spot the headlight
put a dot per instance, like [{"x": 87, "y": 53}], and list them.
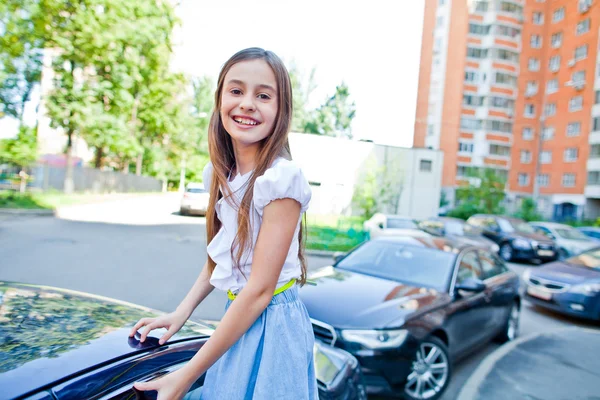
[
  {"x": 588, "y": 289},
  {"x": 527, "y": 275},
  {"x": 376, "y": 339},
  {"x": 495, "y": 248},
  {"x": 521, "y": 244}
]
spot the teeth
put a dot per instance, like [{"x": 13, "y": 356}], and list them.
[{"x": 245, "y": 121}]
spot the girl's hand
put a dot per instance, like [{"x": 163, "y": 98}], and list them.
[
  {"x": 173, "y": 386},
  {"x": 173, "y": 322}
]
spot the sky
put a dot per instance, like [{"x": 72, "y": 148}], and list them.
[{"x": 374, "y": 47}]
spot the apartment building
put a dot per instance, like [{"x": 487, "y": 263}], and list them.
[{"x": 513, "y": 85}]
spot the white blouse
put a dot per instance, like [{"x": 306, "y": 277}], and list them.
[{"x": 284, "y": 179}]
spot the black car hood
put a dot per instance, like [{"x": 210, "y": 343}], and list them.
[
  {"x": 349, "y": 300},
  {"x": 48, "y": 333},
  {"x": 563, "y": 272},
  {"x": 531, "y": 236}
]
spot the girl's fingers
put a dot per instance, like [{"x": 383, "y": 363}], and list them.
[
  {"x": 139, "y": 324},
  {"x": 145, "y": 386},
  {"x": 166, "y": 336},
  {"x": 149, "y": 327}
]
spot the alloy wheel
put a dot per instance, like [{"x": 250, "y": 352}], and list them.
[
  {"x": 429, "y": 372},
  {"x": 506, "y": 252}
]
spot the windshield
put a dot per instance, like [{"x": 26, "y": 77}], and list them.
[
  {"x": 454, "y": 228},
  {"x": 512, "y": 225},
  {"x": 571, "y": 234},
  {"x": 588, "y": 259},
  {"x": 413, "y": 264},
  {"x": 400, "y": 223}
]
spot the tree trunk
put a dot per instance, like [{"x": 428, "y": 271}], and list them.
[
  {"x": 138, "y": 164},
  {"x": 99, "y": 161},
  {"x": 69, "y": 186}
]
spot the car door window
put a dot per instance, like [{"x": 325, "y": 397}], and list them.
[
  {"x": 490, "y": 265},
  {"x": 468, "y": 267}
]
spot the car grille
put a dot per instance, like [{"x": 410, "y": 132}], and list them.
[
  {"x": 551, "y": 286},
  {"x": 324, "y": 332},
  {"x": 545, "y": 246}
]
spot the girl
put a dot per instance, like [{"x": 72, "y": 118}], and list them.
[{"x": 263, "y": 347}]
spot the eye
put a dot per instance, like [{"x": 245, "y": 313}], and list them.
[
  {"x": 235, "y": 91},
  {"x": 264, "y": 96}
]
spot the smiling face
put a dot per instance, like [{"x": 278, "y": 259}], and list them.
[{"x": 249, "y": 102}]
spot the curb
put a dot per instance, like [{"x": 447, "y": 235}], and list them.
[
  {"x": 26, "y": 212},
  {"x": 471, "y": 386}
]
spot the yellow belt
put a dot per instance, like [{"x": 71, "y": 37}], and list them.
[{"x": 285, "y": 287}]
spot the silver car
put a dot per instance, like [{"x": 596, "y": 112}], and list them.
[
  {"x": 194, "y": 200},
  {"x": 569, "y": 240}
]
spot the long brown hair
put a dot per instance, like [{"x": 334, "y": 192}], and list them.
[{"x": 222, "y": 157}]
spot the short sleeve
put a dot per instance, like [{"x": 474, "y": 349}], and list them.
[
  {"x": 282, "y": 181},
  {"x": 207, "y": 175}
]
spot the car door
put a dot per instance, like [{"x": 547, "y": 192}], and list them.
[
  {"x": 501, "y": 289},
  {"x": 469, "y": 312}
]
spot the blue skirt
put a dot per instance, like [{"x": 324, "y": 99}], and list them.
[{"x": 273, "y": 360}]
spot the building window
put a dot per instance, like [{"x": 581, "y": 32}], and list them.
[
  {"x": 532, "y": 88},
  {"x": 552, "y": 86},
  {"x": 582, "y": 27},
  {"x": 477, "y": 29},
  {"x": 529, "y": 111},
  {"x": 523, "y": 179},
  {"x": 439, "y": 22},
  {"x": 470, "y": 76},
  {"x": 568, "y": 180},
  {"x": 506, "y": 55},
  {"x": 501, "y": 102},
  {"x": 597, "y": 99},
  {"x": 481, "y": 6},
  {"x": 442, "y": 2},
  {"x": 554, "y": 63},
  {"x": 573, "y": 129},
  {"x": 503, "y": 30},
  {"x": 576, "y": 103},
  {"x": 425, "y": 165},
  {"x": 543, "y": 180},
  {"x": 596, "y": 124},
  {"x": 465, "y": 147},
  {"x": 593, "y": 178},
  {"x": 533, "y": 64},
  {"x": 535, "y": 41},
  {"x": 581, "y": 52},
  {"x": 505, "y": 79},
  {"x": 470, "y": 123},
  {"x": 570, "y": 154},
  {"x": 499, "y": 150},
  {"x": 578, "y": 77},
  {"x": 557, "y": 40},
  {"x": 461, "y": 170},
  {"x": 472, "y": 100},
  {"x": 525, "y": 156},
  {"x": 527, "y": 133},
  {"x": 538, "y": 18},
  {"x": 546, "y": 157},
  {"x": 430, "y": 130},
  {"x": 500, "y": 126},
  {"x": 550, "y": 109},
  {"x": 548, "y": 133},
  {"x": 510, "y": 7},
  {"x": 595, "y": 151},
  {"x": 558, "y": 15},
  {"x": 474, "y": 52}
]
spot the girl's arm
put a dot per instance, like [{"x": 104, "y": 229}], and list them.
[
  {"x": 174, "y": 321},
  {"x": 280, "y": 219}
]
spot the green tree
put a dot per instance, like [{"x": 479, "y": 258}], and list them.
[
  {"x": 528, "y": 210},
  {"x": 301, "y": 91},
  {"x": 22, "y": 150},
  {"x": 378, "y": 189},
  {"x": 334, "y": 117},
  {"x": 483, "y": 194}
]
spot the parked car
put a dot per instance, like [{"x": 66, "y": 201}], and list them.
[
  {"x": 590, "y": 231},
  {"x": 407, "y": 307},
  {"x": 67, "y": 345},
  {"x": 392, "y": 225},
  {"x": 457, "y": 229},
  {"x": 194, "y": 200},
  {"x": 517, "y": 239},
  {"x": 570, "y": 286},
  {"x": 569, "y": 240}
]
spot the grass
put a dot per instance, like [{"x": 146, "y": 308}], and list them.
[
  {"x": 53, "y": 200},
  {"x": 334, "y": 232}
]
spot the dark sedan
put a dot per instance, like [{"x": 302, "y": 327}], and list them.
[
  {"x": 61, "y": 344},
  {"x": 570, "y": 286},
  {"x": 459, "y": 230},
  {"x": 406, "y": 307},
  {"x": 517, "y": 239}
]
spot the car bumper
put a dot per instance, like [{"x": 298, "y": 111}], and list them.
[
  {"x": 530, "y": 254},
  {"x": 573, "y": 304},
  {"x": 189, "y": 209}
]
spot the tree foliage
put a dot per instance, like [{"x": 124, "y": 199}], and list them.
[
  {"x": 22, "y": 150},
  {"x": 483, "y": 193},
  {"x": 528, "y": 210}
]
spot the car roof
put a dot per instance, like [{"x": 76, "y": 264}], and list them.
[
  {"x": 445, "y": 244},
  {"x": 59, "y": 333},
  {"x": 589, "y": 228},
  {"x": 550, "y": 224}
]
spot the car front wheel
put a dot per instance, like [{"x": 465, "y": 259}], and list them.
[
  {"x": 506, "y": 252},
  {"x": 430, "y": 371},
  {"x": 511, "y": 326}
]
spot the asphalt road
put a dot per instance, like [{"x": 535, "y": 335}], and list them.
[{"x": 140, "y": 250}]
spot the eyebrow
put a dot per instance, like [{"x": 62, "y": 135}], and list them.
[{"x": 262, "y": 85}]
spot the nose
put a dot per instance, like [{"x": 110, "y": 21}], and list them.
[{"x": 247, "y": 102}]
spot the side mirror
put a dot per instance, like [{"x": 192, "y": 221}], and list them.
[
  {"x": 337, "y": 256},
  {"x": 380, "y": 225},
  {"x": 471, "y": 285}
]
